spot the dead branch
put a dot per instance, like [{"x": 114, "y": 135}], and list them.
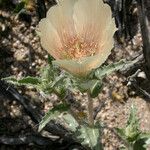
[
  {"x": 137, "y": 63},
  {"x": 144, "y": 12},
  {"x": 126, "y": 19},
  {"x": 38, "y": 140},
  {"x": 133, "y": 82},
  {"x": 41, "y": 9},
  {"x": 41, "y": 141}
]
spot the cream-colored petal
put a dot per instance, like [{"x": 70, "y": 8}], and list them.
[
  {"x": 50, "y": 40},
  {"x": 91, "y": 21},
  {"x": 61, "y": 18},
  {"x": 84, "y": 67},
  {"x": 91, "y": 18},
  {"x": 107, "y": 41}
]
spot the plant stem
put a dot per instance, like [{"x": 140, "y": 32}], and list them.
[{"x": 90, "y": 111}]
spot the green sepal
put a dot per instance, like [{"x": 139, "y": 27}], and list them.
[
  {"x": 93, "y": 87},
  {"x": 50, "y": 59}
]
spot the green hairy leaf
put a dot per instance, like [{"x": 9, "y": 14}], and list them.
[
  {"x": 70, "y": 121},
  {"x": 48, "y": 73},
  {"x": 50, "y": 81},
  {"x": 132, "y": 128},
  {"x": 142, "y": 142},
  {"x": 131, "y": 134},
  {"x": 58, "y": 80},
  {"x": 54, "y": 82},
  {"x": 139, "y": 145},
  {"x": 148, "y": 141},
  {"x": 106, "y": 70},
  {"x": 89, "y": 136},
  {"x": 121, "y": 133},
  {"x": 31, "y": 81},
  {"x": 50, "y": 59},
  {"x": 133, "y": 118},
  {"x": 10, "y": 79},
  {"x": 52, "y": 115}
]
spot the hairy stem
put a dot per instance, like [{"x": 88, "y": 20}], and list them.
[{"x": 90, "y": 110}]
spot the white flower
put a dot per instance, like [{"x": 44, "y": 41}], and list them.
[{"x": 78, "y": 34}]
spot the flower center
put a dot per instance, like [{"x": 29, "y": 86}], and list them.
[{"x": 76, "y": 48}]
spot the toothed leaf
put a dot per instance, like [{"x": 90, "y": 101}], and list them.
[
  {"x": 142, "y": 142},
  {"x": 52, "y": 115},
  {"x": 31, "y": 81},
  {"x": 72, "y": 124},
  {"x": 132, "y": 128},
  {"x": 106, "y": 70},
  {"x": 89, "y": 136}
]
